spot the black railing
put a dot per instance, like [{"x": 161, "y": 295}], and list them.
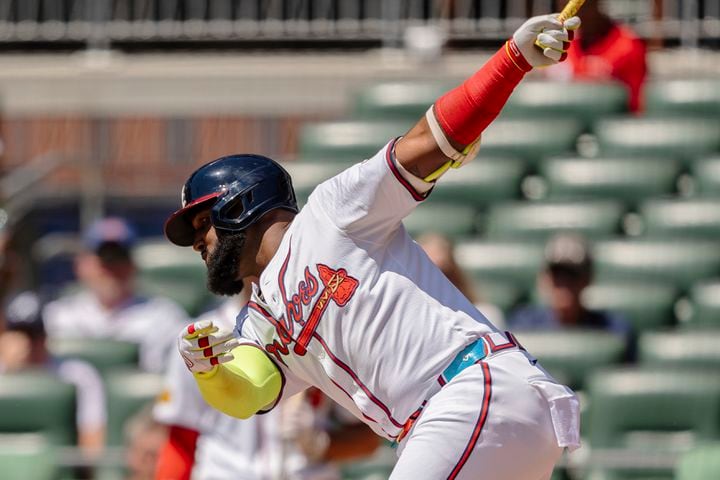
[{"x": 111, "y": 22}]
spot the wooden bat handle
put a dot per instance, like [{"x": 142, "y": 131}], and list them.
[{"x": 570, "y": 9}]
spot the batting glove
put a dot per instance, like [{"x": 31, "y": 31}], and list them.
[
  {"x": 204, "y": 345},
  {"x": 544, "y": 40}
]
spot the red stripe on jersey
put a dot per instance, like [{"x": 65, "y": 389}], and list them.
[
  {"x": 398, "y": 175},
  {"x": 487, "y": 395},
  {"x": 355, "y": 378}
]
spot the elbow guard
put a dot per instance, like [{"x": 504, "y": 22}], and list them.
[{"x": 243, "y": 386}]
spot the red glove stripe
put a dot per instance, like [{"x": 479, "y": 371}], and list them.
[
  {"x": 203, "y": 342},
  {"x": 214, "y": 361},
  {"x": 463, "y": 113},
  {"x": 191, "y": 329},
  {"x": 208, "y": 352}
]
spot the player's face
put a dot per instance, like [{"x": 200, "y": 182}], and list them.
[{"x": 222, "y": 254}]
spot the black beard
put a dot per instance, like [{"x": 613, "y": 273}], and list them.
[{"x": 224, "y": 264}]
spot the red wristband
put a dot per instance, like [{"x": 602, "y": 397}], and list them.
[{"x": 463, "y": 113}]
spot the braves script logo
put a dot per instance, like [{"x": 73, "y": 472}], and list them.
[{"x": 337, "y": 287}]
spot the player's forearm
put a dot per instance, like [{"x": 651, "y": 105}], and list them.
[
  {"x": 462, "y": 114},
  {"x": 243, "y": 386}
]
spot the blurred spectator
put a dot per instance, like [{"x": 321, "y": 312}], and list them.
[
  {"x": 108, "y": 306},
  {"x": 22, "y": 346},
  {"x": 441, "y": 252},
  {"x": 144, "y": 437},
  {"x": 293, "y": 441},
  {"x": 605, "y": 50},
  {"x": 7, "y": 263},
  {"x": 567, "y": 272}
]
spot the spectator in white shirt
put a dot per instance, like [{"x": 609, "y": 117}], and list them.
[{"x": 108, "y": 306}]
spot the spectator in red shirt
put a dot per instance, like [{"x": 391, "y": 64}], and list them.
[{"x": 606, "y": 50}]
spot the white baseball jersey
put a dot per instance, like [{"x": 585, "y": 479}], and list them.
[
  {"x": 351, "y": 304},
  {"x": 228, "y": 448},
  {"x": 152, "y": 323}
]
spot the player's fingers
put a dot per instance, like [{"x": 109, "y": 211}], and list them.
[
  {"x": 200, "y": 328},
  {"x": 546, "y": 41},
  {"x": 212, "y": 340},
  {"x": 553, "y": 54},
  {"x": 220, "y": 359},
  {"x": 572, "y": 23},
  {"x": 561, "y": 35},
  {"x": 216, "y": 350},
  {"x": 548, "y": 22}
]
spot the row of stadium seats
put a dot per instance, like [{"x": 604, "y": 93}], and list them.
[
  {"x": 39, "y": 402},
  {"x": 489, "y": 180},
  {"x": 585, "y": 101},
  {"x": 660, "y": 218},
  {"x": 682, "y": 139}
]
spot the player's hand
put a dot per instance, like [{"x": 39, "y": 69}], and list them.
[
  {"x": 204, "y": 345},
  {"x": 544, "y": 40}
]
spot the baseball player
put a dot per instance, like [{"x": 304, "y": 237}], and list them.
[
  {"x": 348, "y": 303},
  {"x": 289, "y": 443}
]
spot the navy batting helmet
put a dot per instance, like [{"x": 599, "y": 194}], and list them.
[{"x": 239, "y": 188}]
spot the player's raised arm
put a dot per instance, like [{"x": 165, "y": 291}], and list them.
[{"x": 449, "y": 134}]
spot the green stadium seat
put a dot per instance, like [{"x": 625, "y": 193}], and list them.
[
  {"x": 453, "y": 220},
  {"x": 348, "y": 141},
  {"x": 103, "y": 354},
  {"x": 127, "y": 392},
  {"x": 516, "y": 263},
  {"x": 695, "y": 218},
  {"x": 398, "y": 100},
  {"x": 705, "y": 301},
  {"x": 692, "y": 349},
  {"x": 675, "y": 262},
  {"x": 572, "y": 355},
  {"x": 684, "y": 97},
  {"x": 503, "y": 295},
  {"x": 539, "y": 220},
  {"x": 529, "y": 139},
  {"x": 706, "y": 176},
  {"x": 701, "y": 463},
  {"x": 176, "y": 273},
  {"x": 308, "y": 175},
  {"x": 629, "y": 401},
  {"x": 644, "y": 305},
  {"x": 679, "y": 138},
  {"x": 27, "y": 457},
  {"x": 37, "y": 401},
  {"x": 626, "y": 179},
  {"x": 583, "y": 100},
  {"x": 481, "y": 182}
]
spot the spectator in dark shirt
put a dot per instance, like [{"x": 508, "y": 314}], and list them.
[{"x": 567, "y": 272}]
